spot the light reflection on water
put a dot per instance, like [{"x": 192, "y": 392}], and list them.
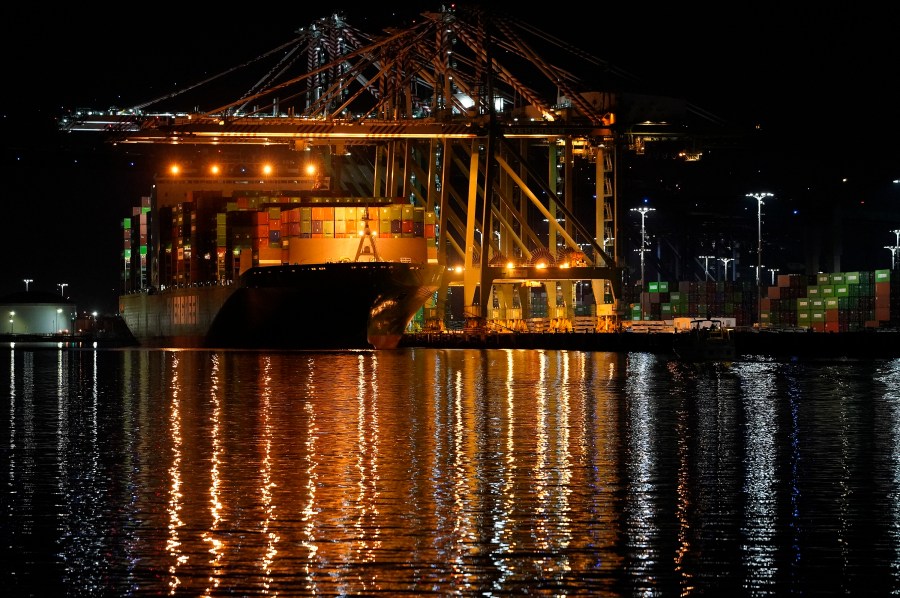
[{"x": 452, "y": 472}]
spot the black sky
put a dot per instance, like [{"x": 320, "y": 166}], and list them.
[{"x": 822, "y": 82}]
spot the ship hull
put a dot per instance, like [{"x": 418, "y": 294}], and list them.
[{"x": 331, "y": 306}]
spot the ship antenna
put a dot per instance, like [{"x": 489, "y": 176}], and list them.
[{"x": 367, "y": 240}]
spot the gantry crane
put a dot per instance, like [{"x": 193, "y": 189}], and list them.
[{"x": 478, "y": 117}]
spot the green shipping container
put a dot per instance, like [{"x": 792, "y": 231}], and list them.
[{"x": 882, "y": 275}]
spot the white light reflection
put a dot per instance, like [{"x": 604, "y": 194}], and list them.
[
  {"x": 540, "y": 482},
  {"x": 758, "y": 384},
  {"x": 266, "y": 483},
  {"x": 64, "y": 452},
  {"x": 504, "y": 521},
  {"x": 641, "y": 527},
  {"x": 12, "y": 422},
  {"x": 365, "y": 522},
  {"x": 683, "y": 504},
  {"x": 173, "y": 543},
  {"x": 461, "y": 513},
  {"x": 309, "y": 511},
  {"x": 212, "y": 535},
  {"x": 561, "y": 506},
  {"x": 889, "y": 377}
]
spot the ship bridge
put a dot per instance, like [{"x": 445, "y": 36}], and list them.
[{"x": 507, "y": 134}]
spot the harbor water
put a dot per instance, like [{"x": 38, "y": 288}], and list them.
[{"x": 447, "y": 472}]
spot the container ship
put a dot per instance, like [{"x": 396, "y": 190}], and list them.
[{"x": 219, "y": 262}]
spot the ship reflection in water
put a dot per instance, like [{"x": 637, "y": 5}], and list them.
[{"x": 447, "y": 472}]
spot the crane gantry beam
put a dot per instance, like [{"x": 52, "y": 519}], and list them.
[{"x": 406, "y": 101}]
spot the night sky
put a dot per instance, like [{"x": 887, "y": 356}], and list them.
[{"x": 821, "y": 86}]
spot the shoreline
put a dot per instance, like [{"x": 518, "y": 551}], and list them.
[{"x": 877, "y": 343}]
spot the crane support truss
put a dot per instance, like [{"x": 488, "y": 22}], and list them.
[{"x": 429, "y": 113}]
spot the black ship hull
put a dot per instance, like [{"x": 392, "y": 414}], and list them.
[{"x": 330, "y": 306}]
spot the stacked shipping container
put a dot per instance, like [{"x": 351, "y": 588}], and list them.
[
  {"x": 837, "y": 302},
  {"x": 213, "y": 239}
]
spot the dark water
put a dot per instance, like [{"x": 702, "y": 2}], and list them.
[{"x": 447, "y": 472}]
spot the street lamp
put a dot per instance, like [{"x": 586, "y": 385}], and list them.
[
  {"x": 62, "y": 288},
  {"x": 706, "y": 259},
  {"x": 11, "y": 326},
  {"x": 758, "y": 268},
  {"x": 27, "y": 280},
  {"x": 773, "y": 271},
  {"x": 896, "y": 231},
  {"x": 893, "y": 255},
  {"x": 725, "y": 261},
  {"x": 759, "y": 197},
  {"x": 643, "y": 212},
  {"x": 56, "y": 320}
]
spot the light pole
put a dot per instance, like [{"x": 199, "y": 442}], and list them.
[
  {"x": 725, "y": 261},
  {"x": 706, "y": 259},
  {"x": 893, "y": 255},
  {"x": 62, "y": 288},
  {"x": 759, "y": 197},
  {"x": 27, "y": 280},
  {"x": 643, "y": 212},
  {"x": 773, "y": 271},
  {"x": 758, "y": 269},
  {"x": 896, "y": 231},
  {"x": 11, "y": 323},
  {"x": 56, "y": 320}
]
